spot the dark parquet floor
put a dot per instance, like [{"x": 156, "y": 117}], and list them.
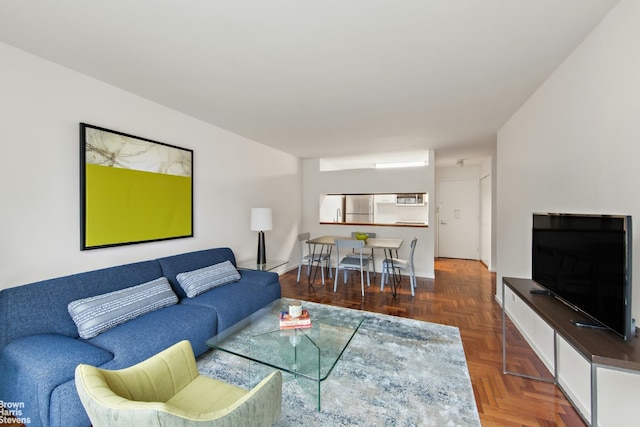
[{"x": 462, "y": 295}]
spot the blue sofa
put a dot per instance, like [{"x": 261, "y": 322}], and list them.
[{"x": 40, "y": 346}]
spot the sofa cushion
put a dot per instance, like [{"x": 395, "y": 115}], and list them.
[
  {"x": 201, "y": 280},
  {"x": 100, "y": 313},
  {"x": 236, "y": 301},
  {"x": 261, "y": 278},
  {"x": 144, "y": 336}
]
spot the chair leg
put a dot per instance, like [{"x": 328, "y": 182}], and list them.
[
  {"x": 335, "y": 281},
  {"x": 382, "y": 274},
  {"x": 373, "y": 262},
  {"x": 299, "y": 268},
  {"x": 321, "y": 267},
  {"x": 414, "y": 283}
]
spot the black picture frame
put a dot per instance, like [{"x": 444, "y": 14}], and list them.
[{"x": 132, "y": 189}]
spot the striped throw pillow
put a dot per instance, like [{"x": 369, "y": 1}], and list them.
[
  {"x": 198, "y": 281},
  {"x": 100, "y": 313}
]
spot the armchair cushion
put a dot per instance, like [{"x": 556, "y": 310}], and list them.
[{"x": 202, "y": 396}]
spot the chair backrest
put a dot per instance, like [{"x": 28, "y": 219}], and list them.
[
  {"x": 302, "y": 240},
  {"x": 146, "y": 380},
  {"x": 349, "y": 244},
  {"x": 413, "y": 249},
  {"x": 304, "y": 237}
]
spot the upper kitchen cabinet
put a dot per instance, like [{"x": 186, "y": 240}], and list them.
[{"x": 389, "y": 209}]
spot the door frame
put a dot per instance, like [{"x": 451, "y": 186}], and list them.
[{"x": 437, "y": 209}]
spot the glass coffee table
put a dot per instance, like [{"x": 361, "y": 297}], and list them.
[{"x": 309, "y": 354}]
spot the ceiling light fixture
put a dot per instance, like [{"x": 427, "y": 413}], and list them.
[{"x": 400, "y": 165}]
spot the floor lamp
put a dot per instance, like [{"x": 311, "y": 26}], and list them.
[{"x": 261, "y": 221}]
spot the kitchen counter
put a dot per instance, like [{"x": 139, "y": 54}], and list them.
[{"x": 396, "y": 224}]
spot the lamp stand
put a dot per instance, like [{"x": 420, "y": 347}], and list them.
[{"x": 262, "y": 254}]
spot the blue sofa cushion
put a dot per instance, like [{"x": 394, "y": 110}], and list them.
[
  {"x": 203, "y": 279},
  {"x": 144, "y": 336},
  {"x": 33, "y": 366},
  {"x": 176, "y": 264},
  {"x": 237, "y": 300},
  {"x": 261, "y": 278},
  {"x": 99, "y": 313}
]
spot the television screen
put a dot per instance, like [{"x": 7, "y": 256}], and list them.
[{"x": 585, "y": 261}]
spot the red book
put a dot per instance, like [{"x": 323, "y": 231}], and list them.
[
  {"x": 286, "y": 321},
  {"x": 296, "y": 327}
]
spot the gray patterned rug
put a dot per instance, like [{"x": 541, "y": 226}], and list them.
[{"x": 395, "y": 372}]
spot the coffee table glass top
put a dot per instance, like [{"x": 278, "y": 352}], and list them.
[{"x": 309, "y": 353}]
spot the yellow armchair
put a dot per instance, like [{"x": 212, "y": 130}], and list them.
[{"x": 167, "y": 390}]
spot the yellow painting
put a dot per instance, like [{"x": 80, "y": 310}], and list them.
[{"x": 133, "y": 190}]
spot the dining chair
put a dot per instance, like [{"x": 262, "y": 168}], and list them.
[
  {"x": 396, "y": 265},
  {"x": 322, "y": 259},
  {"x": 367, "y": 252},
  {"x": 350, "y": 263}
]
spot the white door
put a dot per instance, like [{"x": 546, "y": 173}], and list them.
[{"x": 458, "y": 216}]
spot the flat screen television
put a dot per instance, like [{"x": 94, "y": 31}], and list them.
[{"x": 585, "y": 261}]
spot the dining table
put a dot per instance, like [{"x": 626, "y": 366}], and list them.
[{"x": 324, "y": 245}]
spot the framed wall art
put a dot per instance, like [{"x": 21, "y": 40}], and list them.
[{"x": 132, "y": 189}]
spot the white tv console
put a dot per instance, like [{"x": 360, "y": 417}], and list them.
[{"x": 613, "y": 363}]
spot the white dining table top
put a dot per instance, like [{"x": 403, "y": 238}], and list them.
[{"x": 372, "y": 242}]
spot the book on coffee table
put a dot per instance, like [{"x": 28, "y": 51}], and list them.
[{"x": 288, "y": 322}]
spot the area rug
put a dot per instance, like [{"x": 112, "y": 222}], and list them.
[{"x": 395, "y": 372}]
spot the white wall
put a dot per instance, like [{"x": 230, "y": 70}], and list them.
[
  {"x": 407, "y": 180},
  {"x": 574, "y": 147},
  {"x": 41, "y": 105}
]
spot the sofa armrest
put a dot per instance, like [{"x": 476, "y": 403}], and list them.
[
  {"x": 50, "y": 358},
  {"x": 33, "y": 366}
]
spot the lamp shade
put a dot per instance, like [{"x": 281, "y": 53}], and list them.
[{"x": 261, "y": 219}]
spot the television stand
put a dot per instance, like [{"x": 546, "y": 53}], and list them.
[{"x": 600, "y": 348}]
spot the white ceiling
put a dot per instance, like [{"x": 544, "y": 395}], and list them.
[{"x": 319, "y": 78}]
